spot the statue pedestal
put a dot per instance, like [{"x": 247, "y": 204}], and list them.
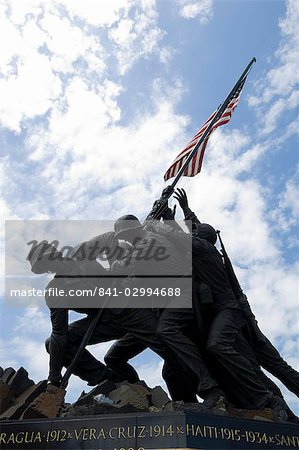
[{"x": 143, "y": 431}]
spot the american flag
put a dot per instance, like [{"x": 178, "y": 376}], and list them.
[{"x": 194, "y": 166}]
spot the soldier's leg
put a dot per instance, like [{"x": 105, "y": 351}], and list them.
[
  {"x": 89, "y": 368},
  {"x": 224, "y": 331},
  {"x": 127, "y": 348},
  {"x": 271, "y": 360},
  {"x": 243, "y": 345},
  {"x": 173, "y": 323},
  {"x": 169, "y": 342},
  {"x": 179, "y": 391},
  {"x": 142, "y": 324},
  {"x": 120, "y": 353}
]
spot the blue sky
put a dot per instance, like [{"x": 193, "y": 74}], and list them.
[{"x": 97, "y": 100}]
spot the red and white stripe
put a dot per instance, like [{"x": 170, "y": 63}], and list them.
[{"x": 194, "y": 166}]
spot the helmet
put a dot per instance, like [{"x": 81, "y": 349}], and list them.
[
  {"x": 207, "y": 232},
  {"x": 126, "y": 223},
  {"x": 40, "y": 255}
]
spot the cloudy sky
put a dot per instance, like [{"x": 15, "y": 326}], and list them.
[{"x": 97, "y": 99}]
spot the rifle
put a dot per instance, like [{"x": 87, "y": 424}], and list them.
[
  {"x": 237, "y": 290},
  {"x": 234, "y": 282}
]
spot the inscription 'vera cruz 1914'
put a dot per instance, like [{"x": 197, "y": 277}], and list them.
[{"x": 148, "y": 431}]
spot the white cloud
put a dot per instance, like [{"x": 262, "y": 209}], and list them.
[
  {"x": 166, "y": 54},
  {"x": 67, "y": 43},
  {"x": 29, "y": 86},
  {"x": 19, "y": 100},
  {"x": 33, "y": 321},
  {"x": 89, "y": 10},
  {"x": 136, "y": 37},
  {"x": 280, "y": 106},
  {"x": 85, "y": 130},
  {"x": 38, "y": 45},
  {"x": 228, "y": 152},
  {"x": 287, "y": 213},
  {"x": 151, "y": 373},
  {"x": 276, "y": 92},
  {"x": 201, "y": 9},
  {"x": 272, "y": 291},
  {"x": 19, "y": 10}
]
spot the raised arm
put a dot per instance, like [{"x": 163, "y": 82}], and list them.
[{"x": 181, "y": 196}]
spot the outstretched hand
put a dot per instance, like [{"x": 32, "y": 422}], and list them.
[{"x": 181, "y": 196}]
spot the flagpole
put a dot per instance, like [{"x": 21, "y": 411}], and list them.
[
  {"x": 205, "y": 134},
  {"x": 216, "y": 117}
]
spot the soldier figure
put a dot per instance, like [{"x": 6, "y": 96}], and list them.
[
  {"x": 225, "y": 317},
  {"x": 141, "y": 323},
  {"x": 219, "y": 332}
]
